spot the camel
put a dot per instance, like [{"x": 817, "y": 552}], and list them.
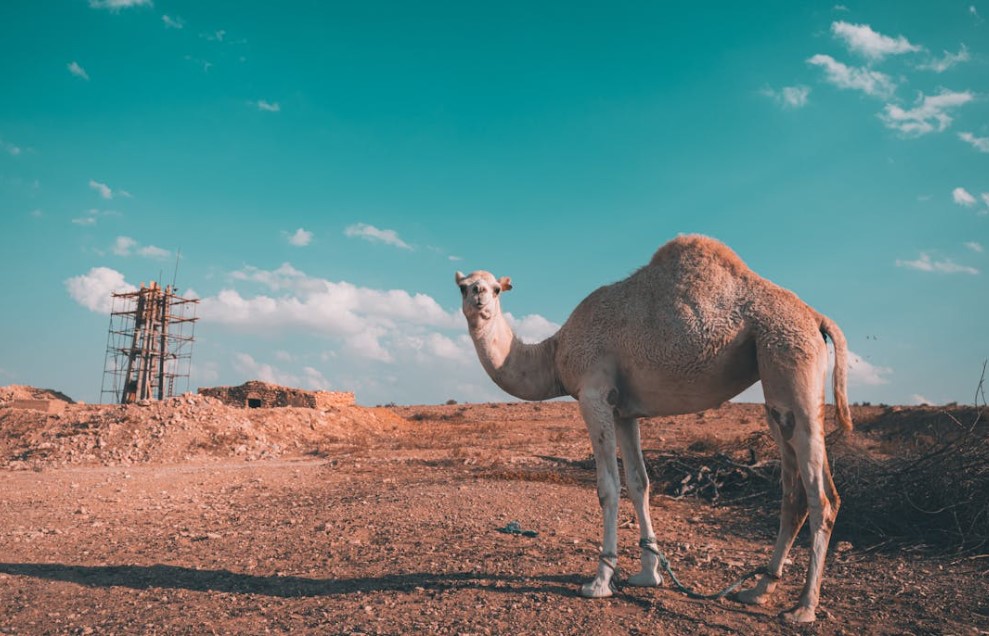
[{"x": 690, "y": 330}]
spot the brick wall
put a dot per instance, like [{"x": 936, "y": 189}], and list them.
[
  {"x": 45, "y": 406},
  {"x": 255, "y": 394}
]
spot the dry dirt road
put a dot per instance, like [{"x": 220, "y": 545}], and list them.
[{"x": 394, "y": 531}]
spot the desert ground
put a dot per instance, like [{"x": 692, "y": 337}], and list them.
[{"x": 189, "y": 516}]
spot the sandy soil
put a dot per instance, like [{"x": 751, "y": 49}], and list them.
[{"x": 192, "y": 517}]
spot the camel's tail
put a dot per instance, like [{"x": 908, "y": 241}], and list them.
[{"x": 840, "y": 376}]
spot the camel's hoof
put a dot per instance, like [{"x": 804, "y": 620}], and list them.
[
  {"x": 646, "y": 578},
  {"x": 596, "y": 589},
  {"x": 800, "y": 615},
  {"x": 750, "y": 597}
]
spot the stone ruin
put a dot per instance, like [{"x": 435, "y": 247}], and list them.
[{"x": 261, "y": 395}]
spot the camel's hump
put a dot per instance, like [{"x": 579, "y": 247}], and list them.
[{"x": 696, "y": 248}]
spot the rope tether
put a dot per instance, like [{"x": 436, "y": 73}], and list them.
[{"x": 650, "y": 544}]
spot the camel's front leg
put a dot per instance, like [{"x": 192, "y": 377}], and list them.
[
  {"x": 599, "y": 418},
  {"x": 637, "y": 482}
]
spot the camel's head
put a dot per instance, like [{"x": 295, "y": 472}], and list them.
[{"x": 481, "y": 292}]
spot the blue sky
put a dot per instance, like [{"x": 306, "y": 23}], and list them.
[{"x": 325, "y": 167}]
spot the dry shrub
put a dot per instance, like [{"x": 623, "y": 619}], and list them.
[
  {"x": 936, "y": 496},
  {"x": 908, "y": 476}
]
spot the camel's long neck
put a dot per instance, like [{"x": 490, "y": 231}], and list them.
[{"x": 527, "y": 371}]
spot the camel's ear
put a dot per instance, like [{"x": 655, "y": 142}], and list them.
[
  {"x": 505, "y": 282},
  {"x": 460, "y": 277}
]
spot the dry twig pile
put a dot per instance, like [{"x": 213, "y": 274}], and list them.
[{"x": 906, "y": 477}]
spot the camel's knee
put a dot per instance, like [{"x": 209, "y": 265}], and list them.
[
  {"x": 835, "y": 504},
  {"x": 607, "y": 495},
  {"x": 637, "y": 483},
  {"x": 823, "y": 515}
]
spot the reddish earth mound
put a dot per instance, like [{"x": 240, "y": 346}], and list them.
[
  {"x": 177, "y": 429},
  {"x": 17, "y": 392}
]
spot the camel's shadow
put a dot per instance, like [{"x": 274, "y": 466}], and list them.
[
  {"x": 177, "y": 577},
  {"x": 142, "y": 577}
]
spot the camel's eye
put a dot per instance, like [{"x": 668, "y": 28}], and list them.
[
  {"x": 463, "y": 290},
  {"x": 496, "y": 290}
]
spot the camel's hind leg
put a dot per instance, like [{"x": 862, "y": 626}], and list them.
[
  {"x": 637, "y": 482},
  {"x": 793, "y": 512},
  {"x": 795, "y": 402},
  {"x": 823, "y": 503}
]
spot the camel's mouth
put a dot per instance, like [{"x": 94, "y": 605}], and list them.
[
  {"x": 479, "y": 308},
  {"x": 482, "y": 310}
]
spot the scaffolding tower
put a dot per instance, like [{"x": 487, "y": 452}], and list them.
[{"x": 149, "y": 344}]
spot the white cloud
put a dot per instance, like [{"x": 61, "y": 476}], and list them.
[
  {"x": 102, "y": 188},
  {"x": 961, "y": 196},
  {"x": 840, "y": 7},
  {"x": 271, "y": 107},
  {"x": 314, "y": 379},
  {"x": 367, "y": 344},
  {"x": 37, "y": 213},
  {"x": 861, "y": 372},
  {"x": 979, "y": 143},
  {"x": 459, "y": 350},
  {"x": 861, "y": 39},
  {"x": 200, "y": 62},
  {"x": 123, "y": 246},
  {"x": 870, "y": 82},
  {"x": 370, "y": 326},
  {"x": 204, "y": 373},
  {"x": 532, "y": 328},
  {"x": 117, "y": 5},
  {"x": 985, "y": 199},
  {"x": 246, "y": 365},
  {"x": 153, "y": 252},
  {"x": 925, "y": 264},
  {"x": 77, "y": 70},
  {"x": 929, "y": 115},
  {"x": 946, "y": 61},
  {"x": 173, "y": 23},
  {"x": 919, "y": 400},
  {"x": 92, "y": 290},
  {"x": 788, "y": 96},
  {"x": 322, "y": 306},
  {"x": 92, "y": 216},
  {"x": 10, "y": 148},
  {"x": 373, "y": 234},
  {"x": 974, "y": 246},
  {"x": 126, "y": 246},
  {"x": 300, "y": 238}
]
